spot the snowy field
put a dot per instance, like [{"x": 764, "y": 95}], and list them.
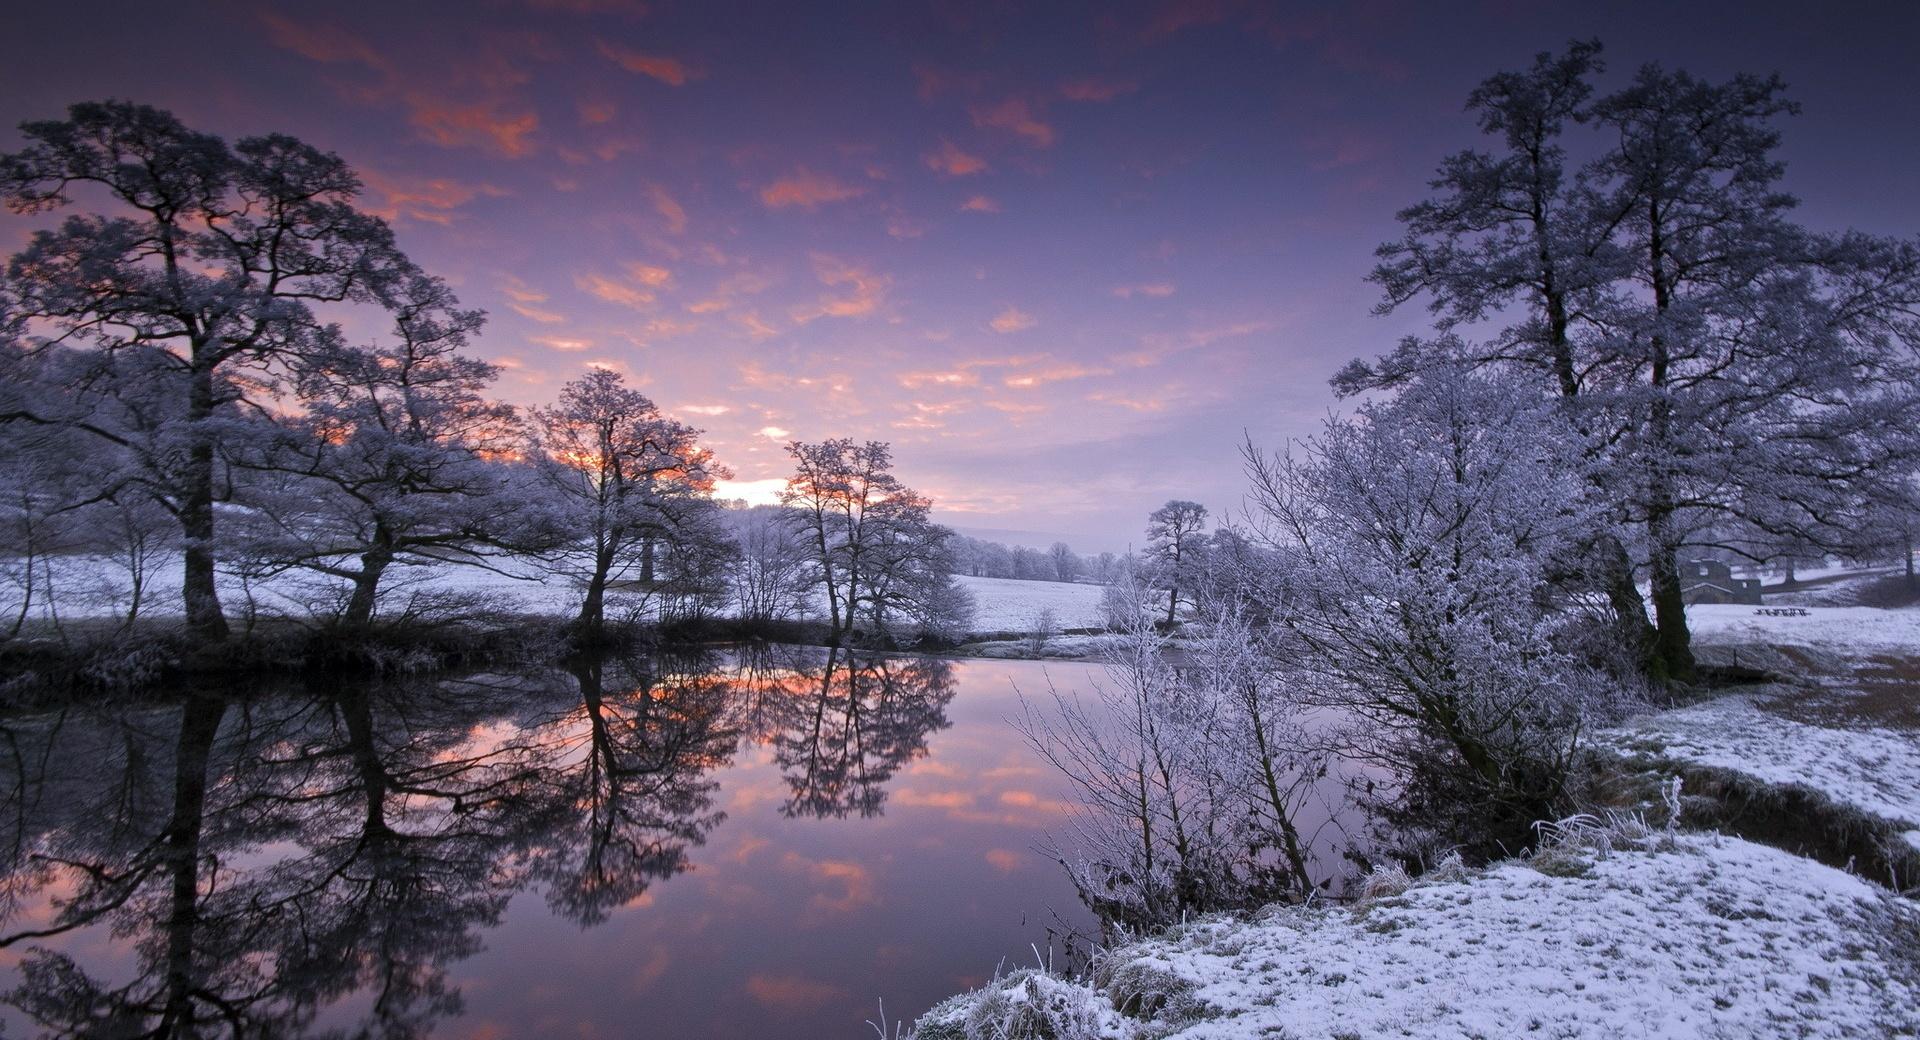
[
  {"x": 1703, "y": 938},
  {"x": 1864, "y": 629},
  {"x": 1009, "y": 605},
  {"x": 89, "y": 587}
]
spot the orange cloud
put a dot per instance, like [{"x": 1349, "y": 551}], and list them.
[
  {"x": 478, "y": 124},
  {"x": 953, "y": 162},
  {"x": 808, "y": 190},
  {"x": 594, "y": 113},
  {"x": 1093, "y": 88},
  {"x": 669, "y": 70},
  {"x": 862, "y": 292},
  {"x": 432, "y": 200},
  {"x": 1013, "y": 319},
  {"x": 1127, "y": 292},
  {"x": 1056, "y": 374},
  {"x": 560, "y": 343},
  {"x": 1006, "y": 861},
  {"x": 636, "y": 290},
  {"x": 536, "y": 314},
  {"x": 1015, "y": 116}
]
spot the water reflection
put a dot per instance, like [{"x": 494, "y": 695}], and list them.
[{"x": 312, "y": 861}]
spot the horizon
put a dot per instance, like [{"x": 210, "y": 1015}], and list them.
[{"x": 1063, "y": 260}]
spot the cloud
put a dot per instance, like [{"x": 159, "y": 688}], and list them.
[
  {"x": 561, "y": 343},
  {"x": 669, "y": 209},
  {"x": 807, "y": 190},
  {"x": 1157, "y": 289},
  {"x": 1013, "y": 319},
  {"x": 951, "y": 161},
  {"x": 861, "y": 292},
  {"x": 775, "y": 433},
  {"x": 536, "y": 314},
  {"x": 636, "y": 289},
  {"x": 478, "y": 124},
  {"x": 1094, "y": 88},
  {"x": 1056, "y": 374},
  {"x": 322, "y": 43},
  {"x": 1157, "y": 347},
  {"x": 705, "y": 409},
  {"x": 979, "y": 204},
  {"x": 431, "y": 200},
  {"x": 594, "y": 113},
  {"x": 669, "y": 70},
  {"x": 1015, "y": 116}
]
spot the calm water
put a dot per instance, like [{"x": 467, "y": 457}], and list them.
[{"x": 731, "y": 846}]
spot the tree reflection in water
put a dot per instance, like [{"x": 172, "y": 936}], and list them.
[
  {"x": 310, "y": 862},
  {"x": 841, "y": 724}
]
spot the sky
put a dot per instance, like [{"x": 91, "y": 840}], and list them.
[{"x": 1064, "y": 257}]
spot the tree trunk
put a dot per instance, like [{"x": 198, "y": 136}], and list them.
[
  {"x": 366, "y": 586},
  {"x": 1672, "y": 657},
  {"x": 205, "y": 620}
]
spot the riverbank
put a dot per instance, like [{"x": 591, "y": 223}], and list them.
[{"x": 1777, "y": 905}]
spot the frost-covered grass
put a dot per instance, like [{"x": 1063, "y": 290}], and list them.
[
  {"x": 1688, "y": 937},
  {"x": 1874, "y": 769}
]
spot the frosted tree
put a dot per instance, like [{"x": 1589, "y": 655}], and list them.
[
  {"x": 1175, "y": 537},
  {"x": 625, "y": 478},
  {"x": 875, "y": 551},
  {"x": 1740, "y": 375},
  {"x": 395, "y": 459},
  {"x": 212, "y": 259},
  {"x": 1411, "y": 550},
  {"x": 770, "y": 578}
]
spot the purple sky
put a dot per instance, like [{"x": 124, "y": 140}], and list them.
[{"x": 1061, "y": 256}]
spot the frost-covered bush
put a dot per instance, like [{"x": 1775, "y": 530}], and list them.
[
  {"x": 1025, "y": 1005},
  {"x": 1408, "y": 583}
]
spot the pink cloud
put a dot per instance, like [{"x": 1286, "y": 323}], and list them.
[
  {"x": 1015, "y": 116},
  {"x": 432, "y": 200},
  {"x": 979, "y": 204},
  {"x": 1156, "y": 289},
  {"x": 1094, "y": 88},
  {"x": 950, "y": 160},
  {"x": 669, "y": 70},
  {"x": 1013, "y": 319},
  {"x": 807, "y": 190},
  {"x": 561, "y": 343}
]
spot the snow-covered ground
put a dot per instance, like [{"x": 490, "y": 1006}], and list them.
[
  {"x": 1875, "y": 769},
  {"x": 1010, "y": 605},
  {"x": 1688, "y": 937},
  {"x": 91, "y": 587},
  {"x": 1865, "y": 629}
]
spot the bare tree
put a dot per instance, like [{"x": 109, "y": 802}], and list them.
[
  {"x": 875, "y": 551},
  {"x": 626, "y": 478}
]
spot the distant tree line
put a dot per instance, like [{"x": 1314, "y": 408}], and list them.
[{"x": 980, "y": 558}]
